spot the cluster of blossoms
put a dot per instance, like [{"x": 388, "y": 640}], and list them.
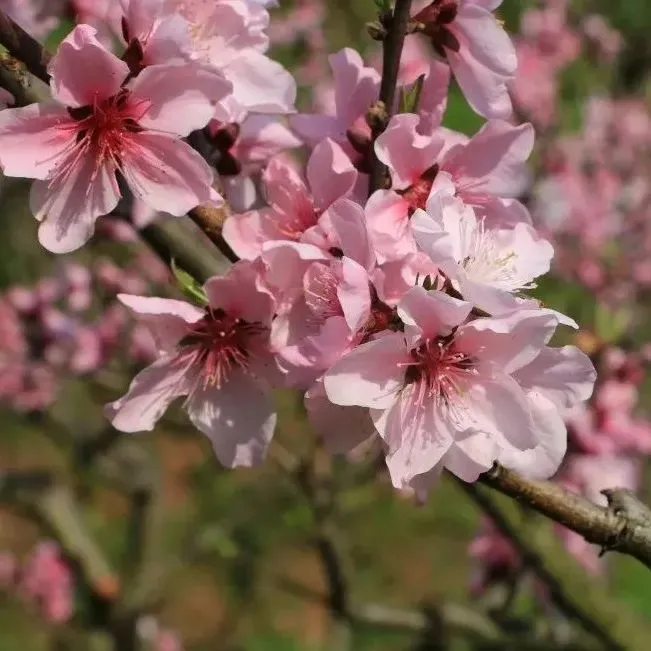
[
  {"x": 592, "y": 196},
  {"x": 69, "y": 324},
  {"x": 548, "y": 42},
  {"x": 610, "y": 154},
  {"x": 43, "y": 581},
  {"x": 187, "y": 66},
  {"x": 400, "y": 316}
]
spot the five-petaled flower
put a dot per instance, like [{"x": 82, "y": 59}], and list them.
[
  {"x": 99, "y": 127},
  {"x": 219, "y": 357}
]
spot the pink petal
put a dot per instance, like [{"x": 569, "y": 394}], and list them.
[
  {"x": 356, "y": 86},
  {"x": 387, "y": 216},
  {"x": 286, "y": 263},
  {"x": 434, "y": 96},
  {"x": 489, "y": 5},
  {"x": 83, "y": 71},
  {"x": 261, "y": 137},
  {"x": 261, "y": 84},
  {"x": 564, "y": 375},
  {"x": 330, "y": 173},
  {"x": 241, "y": 292},
  {"x": 493, "y": 160},
  {"x": 313, "y": 128},
  {"x": 485, "y": 62},
  {"x": 394, "y": 279},
  {"x": 433, "y": 313},
  {"x": 150, "y": 393},
  {"x": 342, "y": 428},
  {"x": 486, "y": 39},
  {"x": 238, "y": 418},
  {"x": 246, "y": 233},
  {"x": 166, "y": 173},
  {"x": 348, "y": 222},
  {"x": 406, "y": 152},
  {"x": 471, "y": 455},
  {"x": 169, "y": 39},
  {"x": 179, "y": 97},
  {"x": 354, "y": 294},
  {"x": 69, "y": 206},
  {"x": 544, "y": 459},
  {"x": 495, "y": 403},
  {"x": 285, "y": 189},
  {"x": 370, "y": 375},
  {"x": 33, "y": 139},
  {"x": 167, "y": 319},
  {"x": 416, "y": 436},
  {"x": 511, "y": 341}
]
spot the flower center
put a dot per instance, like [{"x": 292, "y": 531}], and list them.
[
  {"x": 103, "y": 131},
  {"x": 320, "y": 291},
  {"x": 416, "y": 195},
  {"x": 218, "y": 344},
  {"x": 485, "y": 260},
  {"x": 438, "y": 370}
]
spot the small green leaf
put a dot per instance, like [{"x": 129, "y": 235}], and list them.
[
  {"x": 189, "y": 286},
  {"x": 410, "y": 97},
  {"x": 383, "y": 6}
]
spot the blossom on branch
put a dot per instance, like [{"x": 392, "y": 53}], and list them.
[
  {"x": 99, "y": 127},
  {"x": 219, "y": 357}
]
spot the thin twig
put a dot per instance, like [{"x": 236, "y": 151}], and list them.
[{"x": 391, "y": 54}]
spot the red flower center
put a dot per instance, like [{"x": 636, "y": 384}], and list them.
[
  {"x": 438, "y": 370},
  {"x": 219, "y": 344}
]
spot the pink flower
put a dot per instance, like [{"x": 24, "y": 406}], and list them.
[
  {"x": 47, "y": 582},
  {"x": 152, "y": 35},
  {"x": 327, "y": 317},
  {"x": 487, "y": 171},
  {"x": 218, "y": 357},
  {"x": 445, "y": 393},
  {"x": 75, "y": 147},
  {"x": 488, "y": 267},
  {"x": 356, "y": 88},
  {"x": 230, "y": 36},
  {"x": 295, "y": 205},
  {"x": 478, "y": 50}
]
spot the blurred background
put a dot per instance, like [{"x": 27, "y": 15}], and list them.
[{"x": 144, "y": 542}]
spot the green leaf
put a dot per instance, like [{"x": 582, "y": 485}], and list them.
[
  {"x": 410, "y": 97},
  {"x": 383, "y": 6},
  {"x": 189, "y": 286}
]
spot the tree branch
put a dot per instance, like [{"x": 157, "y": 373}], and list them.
[
  {"x": 396, "y": 24},
  {"x": 577, "y": 594},
  {"x": 54, "y": 506},
  {"x": 22, "y": 46},
  {"x": 612, "y": 529}
]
